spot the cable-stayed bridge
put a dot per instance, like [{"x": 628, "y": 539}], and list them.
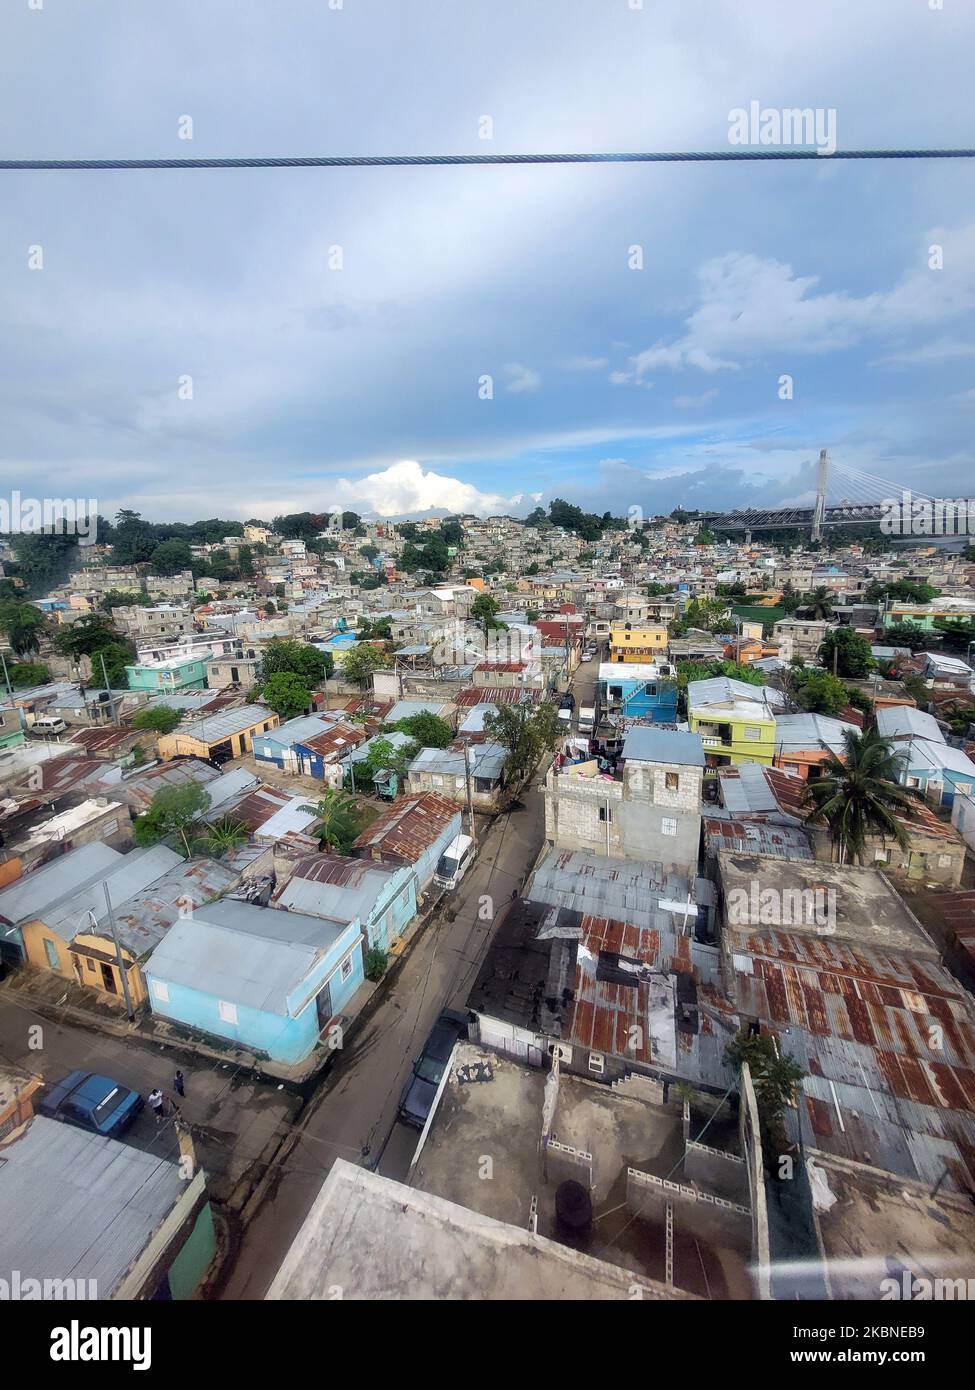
[{"x": 867, "y": 501}]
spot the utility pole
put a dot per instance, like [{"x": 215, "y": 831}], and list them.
[
  {"x": 467, "y": 783},
  {"x": 108, "y": 691},
  {"x": 118, "y": 950}
]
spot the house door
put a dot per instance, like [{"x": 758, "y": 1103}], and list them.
[
  {"x": 108, "y": 979},
  {"x": 323, "y": 1005}
]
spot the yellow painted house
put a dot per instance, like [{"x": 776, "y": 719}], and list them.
[
  {"x": 736, "y": 720},
  {"x": 636, "y": 641},
  {"x": 744, "y": 733},
  {"x": 56, "y": 917},
  {"x": 220, "y": 736}
]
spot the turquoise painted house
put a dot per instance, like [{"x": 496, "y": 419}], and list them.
[
  {"x": 165, "y": 677},
  {"x": 382, "y": 897},
  {"x": 268, "y": 981}
]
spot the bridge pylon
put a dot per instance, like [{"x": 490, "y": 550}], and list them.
[{"x": 819, "y": 510}]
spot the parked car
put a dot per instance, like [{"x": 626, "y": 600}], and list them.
[
  {"x": 92, "y": 1102},
  {"x": 567, "y": 701},
  {"x": 48, "y": 724},
  {"x": 416, "y": 1101},
  {"x": 454, "y": 862}
]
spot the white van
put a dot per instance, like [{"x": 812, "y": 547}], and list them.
[
  {"x": 48, "y": 724},
  {"x": 454, "y": 862}
]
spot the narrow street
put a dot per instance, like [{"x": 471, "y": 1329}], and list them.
[
  {"x": 354, "y": 1114},
  {"x": 237, "y": 1120}
]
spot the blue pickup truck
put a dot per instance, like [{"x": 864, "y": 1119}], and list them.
[{"x": 92, "y": 1102}]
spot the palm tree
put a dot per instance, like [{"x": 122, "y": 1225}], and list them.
[
  {"x": 224, "y": 834},
  {"x": 857, "y": 795},
  {"x": 820, "y": 604},
  {"x": 338, "y": 820}
]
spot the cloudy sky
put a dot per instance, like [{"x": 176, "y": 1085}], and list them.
[{"x": 614, "y": 387}]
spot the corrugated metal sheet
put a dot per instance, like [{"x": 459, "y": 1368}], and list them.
[
  {"x": 408, "y": 827},
  {"x": 78, "y": 1206},
  {"x": 338, "y": 886}
]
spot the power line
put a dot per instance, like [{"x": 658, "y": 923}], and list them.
[{"x": 729, "y": 156}]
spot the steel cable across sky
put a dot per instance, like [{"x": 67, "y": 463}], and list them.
[{"x": 394, "y": 160}]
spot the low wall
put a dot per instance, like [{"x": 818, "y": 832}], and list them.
[{"x": 713, "y": 1219}]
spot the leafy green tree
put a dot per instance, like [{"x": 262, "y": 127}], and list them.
[
  {"x": 525, "y": 732},
  {"x": 859, "y": 699},
  {"x": 160, "y": 719},
  {"x": 858, "y": 795},
  {"x": 285, "y": 655},
  {"x": 124, "y": 598},
  {"x": 91, "y": 633},
  {"x": 133, "y": 539},
  {"x": 484, "y": 610},
  {"x": 108, "y": 663},
  {"x": 382, "y": 755},
  {"x": 851, "y": 651},
  {"x": 376, "y": 963},
  {"x": 337, "y": 823},
  {"x": 287, "y": 694},
  {"x": 361, "y": 661},
  {"x": 429, "y": 730},
  {"x": 957, "y": 633},
  {"x": 709, "y": 614},
  {"x": 27, "y": 673},
  {"x": 908, "y": 635},
  {"x": 171, "y": 557},
  {"x": 775, "y": 1078},
  {"x": 901, "y": 591},
  {"x": 172, "y": 814},
  {"x": 41, "y": 560},
  {"x": 821, "y": 693},
  {"x": 381, "y": 629}
]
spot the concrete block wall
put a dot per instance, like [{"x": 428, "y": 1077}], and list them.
[
  {"x": 648, "y": 782},
  {"x": 720, "y": 1173},
  {"x": 708, "y": 1217},
  {"x": 572, "y": 806},
  {"x": 562, "y": 1162}
]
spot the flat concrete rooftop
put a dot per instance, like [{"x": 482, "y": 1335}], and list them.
[
  {"x": 370, "y": 1238},
  {"x": 483, "y": 1150},
  {"x": 868, "y": 909}
]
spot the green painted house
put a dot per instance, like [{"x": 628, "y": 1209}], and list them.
[{"x": 165, "y": 677}]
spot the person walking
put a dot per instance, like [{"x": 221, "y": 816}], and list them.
[
  {"x": 179, "y": 1083},
  {"x": 157, "y": 1103}
]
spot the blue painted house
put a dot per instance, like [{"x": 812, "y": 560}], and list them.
[
  {"x": 267, "y": 980},
  {"x": 381, "y": 897},
  {"x": 638, "y": 690},
  {"x": 938, "y": 770},
  {"x": 278, "y": 745}
]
